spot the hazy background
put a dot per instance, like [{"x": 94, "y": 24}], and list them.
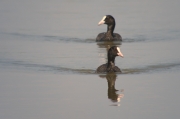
[{"x": 48, "y": 56}]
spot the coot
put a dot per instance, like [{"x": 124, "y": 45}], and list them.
[
  {"x": 109, "y": 35},
  {"x": 110, "y": 65}
]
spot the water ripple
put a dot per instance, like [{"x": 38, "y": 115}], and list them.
[
  {"x": 53, "y": 38},
  {"x": 59, "y": 69},
  {"x": 151, "y": 68}
]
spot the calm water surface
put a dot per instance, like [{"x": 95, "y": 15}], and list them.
[{"x": 48, "y": 56}]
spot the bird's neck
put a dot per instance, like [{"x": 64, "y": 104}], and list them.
[
  {"x": 110, "y": 30},
  {"x": 111, "y": 62}
]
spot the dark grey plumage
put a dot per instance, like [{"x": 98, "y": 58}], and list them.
[
  {"x": 109, "y": 35},
  {"x": 110, "y": 65}
]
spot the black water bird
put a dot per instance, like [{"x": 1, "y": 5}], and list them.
[
  {"x": 110, "y": 65},
  {"x": 109, "y": 35}
]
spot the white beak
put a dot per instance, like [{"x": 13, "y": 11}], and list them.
[
  {"x": 119, "y": 52},
  {"x": 102, "y": 21}
]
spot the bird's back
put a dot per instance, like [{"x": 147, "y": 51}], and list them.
[
  {"x": 103, "y": 69},
  {"x": 103, "y": 37}
]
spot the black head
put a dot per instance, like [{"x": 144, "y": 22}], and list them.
[
  {"x": 114, "y": 51},
  {"x": 108, "y": 19}
]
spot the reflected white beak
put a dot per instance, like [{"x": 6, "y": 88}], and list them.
[{"x": 102, "y": 21}]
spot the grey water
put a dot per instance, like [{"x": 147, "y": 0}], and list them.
[{"x": 48, "y": 58}]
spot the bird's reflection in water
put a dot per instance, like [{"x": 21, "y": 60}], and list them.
[
  {"x": 113, "y": 94},
  {"x": 107, "y": 44}
]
